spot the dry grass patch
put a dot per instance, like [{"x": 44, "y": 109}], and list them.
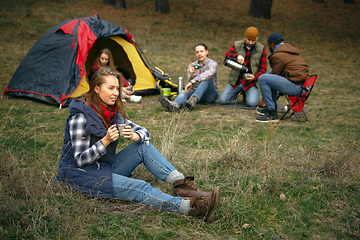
[{"x": 314, "y": 164}]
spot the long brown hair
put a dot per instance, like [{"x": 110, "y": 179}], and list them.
[
  {"x": 107, "y": 52},
  {"x": 91, "y": 97}
]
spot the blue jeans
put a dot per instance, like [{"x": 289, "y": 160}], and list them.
[
  {"x": 205, "y": 93},
  {"x": 270, "y": 84},
  {"x": 130, "y": 189},
  {"x": 230, "y": 93}
]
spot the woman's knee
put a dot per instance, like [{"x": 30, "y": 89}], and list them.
[{"x": 140, "y": 145}]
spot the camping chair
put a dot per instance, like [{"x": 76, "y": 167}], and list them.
[{"x": 297, "y": 103}]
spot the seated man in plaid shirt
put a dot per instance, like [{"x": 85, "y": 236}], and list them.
[
  {"x": 253, "y": 55},
  {"x": 201, "y": 83}
]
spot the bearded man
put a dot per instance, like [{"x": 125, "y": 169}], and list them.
[{"x": 252, "y": 54}]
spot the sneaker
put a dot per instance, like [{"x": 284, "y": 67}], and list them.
[
  {"x": 135, "y": 99},
  {"x": 271, "y": 116},
  {"x": 191, "y": 102},
  {"x": 262, "y": 111},
  {"x": 169, "y": 105}
]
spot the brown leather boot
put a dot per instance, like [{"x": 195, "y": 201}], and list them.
[
  {"x": 262, "y": 104},
  {"x": 186, "y": 188},
  {"x": 205, "y": 206}
]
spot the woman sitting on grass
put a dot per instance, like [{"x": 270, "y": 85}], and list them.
[
  {"x": 89, "y": 162},
  {"x": 105, "y": 58}
]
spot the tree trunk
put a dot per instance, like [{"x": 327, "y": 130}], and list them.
[
  {"x": 107, "y": 2},
  {"x": 261, "y": 8},
  {"x": 162, "y": 6},
  {"x": 349, "y": 1},
  {"x": 116, "y": 3},
  {"x": 120, "y": 4}
]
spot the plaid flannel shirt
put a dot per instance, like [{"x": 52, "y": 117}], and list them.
[
  {"x": 207, "y": 72},
  {"x": 261, "y": 68},
  {"x": 80, "y": 140}
]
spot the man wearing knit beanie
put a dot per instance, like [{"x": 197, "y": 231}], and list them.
[
  {"x": 252, "y": 54},
  {"x": 287, "y": 75},
  {"x": 252, "y": 33}
]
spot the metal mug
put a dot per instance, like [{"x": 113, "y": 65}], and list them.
[{"x": 121, "y": 127}]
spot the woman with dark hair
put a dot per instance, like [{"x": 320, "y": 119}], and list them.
[
  {"x": 89, "y": 162},
  {"x": 105, "y": 58}
]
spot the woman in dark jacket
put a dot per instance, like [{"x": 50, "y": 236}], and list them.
[{"x": 89, "y": 162}]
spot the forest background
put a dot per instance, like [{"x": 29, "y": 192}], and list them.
[{"x": 313, "y": 166}]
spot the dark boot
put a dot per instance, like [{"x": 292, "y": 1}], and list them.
[
  {"x": 262, "y": 111},
  {"x": 205, "y": 206},
  {"x": 186, "y": 188},
  {"x": 270, "y": 116}
]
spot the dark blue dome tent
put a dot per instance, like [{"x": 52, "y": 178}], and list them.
[{"x": 55, "y": 69}]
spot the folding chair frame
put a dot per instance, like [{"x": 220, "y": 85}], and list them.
[{"x": 305, "y": 92}]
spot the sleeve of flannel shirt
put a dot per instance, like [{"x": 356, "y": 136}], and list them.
[
  {"x": 141, "y": 131},
  {"x": 84, "y": 153},
  {"x": 209, "y": 72},
  {"x": 231, "y": 53},
  {"x": 262, "y": 65}
]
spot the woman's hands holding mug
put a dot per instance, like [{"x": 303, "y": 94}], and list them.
[
  {"x": 128, "y": 133},
  {"x": 111, "y": 135}
]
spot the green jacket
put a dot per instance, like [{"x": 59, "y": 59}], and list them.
[{"x": 254, "y": 59}]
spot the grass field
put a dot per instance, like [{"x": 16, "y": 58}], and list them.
[{"x": 314, "y": 165}]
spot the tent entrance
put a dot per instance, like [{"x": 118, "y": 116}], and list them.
[
  {"x": 128, "y": 61},
  {"x": 121, "y": 60}
]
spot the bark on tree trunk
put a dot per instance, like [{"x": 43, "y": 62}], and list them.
[
  {"x": 261, "y": 8},
  {"x": 120, "y": 4},
  {"x": 116, "y": 3},
  {"x": 162, "y": 6}
]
